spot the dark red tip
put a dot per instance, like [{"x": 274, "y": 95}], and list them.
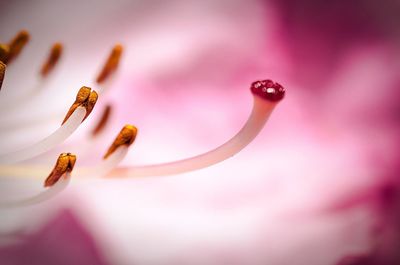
[{"x": 268, "y": 89}]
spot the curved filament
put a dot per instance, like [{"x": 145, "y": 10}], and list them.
[{"x": 59, "y": 136}]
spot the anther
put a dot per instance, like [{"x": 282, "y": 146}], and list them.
[
  {"x": 125, "y": 138},
  {"x": 86, "y": 98},
  {"x": 64, "y": 166},
  {"x": 16, "y": 45},
  {"x": 2, "y": 73},
  {"x": 103, "y": 121},
  {"x": 268, "y": 90},
  {"x": 111, "y": 64},
  {"x": 52, "y": 59},
  {"x": 4, "y": 51}
]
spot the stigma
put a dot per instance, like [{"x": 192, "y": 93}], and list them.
[{"x": 268, "y": 90}]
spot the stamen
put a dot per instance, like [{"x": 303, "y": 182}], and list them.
[
  {"x": 64, "y": 165},
  {"x": 103, "y": 121},
  {"x": 53, "y": 58},
  {"x": 85, "y": 98},
  {"x": 126, "y": 137},
  {"x": 16, "y": 45},
  {"x": 115, "y": 154},
  {"x": 57, "y": 181},
  {"x": 111, "y": 64},
  {"x": 79, "y": 111},
  {"x": 2, "y": 73},
  {"x": 266, "y": 95}
]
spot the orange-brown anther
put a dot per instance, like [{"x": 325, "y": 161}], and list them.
[
  {"x": 85, "y": 98},
  {"x": 16, "y": 45},
  {"x": 4, "y": 51},
  {"x": 103, "y": 121},
  {"x": 125, "y": 137},
  {"x": 2, "y": 73},
  {"x": 64, "y": 166},
  {"x": 54, "y": 57},
  {"x": 111, "y": 64}
]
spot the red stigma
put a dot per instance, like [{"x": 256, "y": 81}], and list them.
[{"x": 268, "y": 89}]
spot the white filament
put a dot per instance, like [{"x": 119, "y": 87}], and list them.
[
  {"x": 17, "y": 104},
  {"x": 106, "y": 166},
  {"x": 59, "y": 136},
  {"x": 45, "y": 195},
  {"x": 256, "y": 121},
  {"x": 100, "y": 170}
]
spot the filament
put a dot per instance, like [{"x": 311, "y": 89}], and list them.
[
  {"x": 45, "y": 195},
  {"x": 99, "y": 170},
  {"x": 105, "y": 166},
  {"x": 15, "y": 106},
  {"x": 59, "y": 136}
]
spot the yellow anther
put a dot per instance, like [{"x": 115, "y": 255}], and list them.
[
  {"x": 52, "y": 59},
  {"x": 16, "y": 45},
  {"x": 64, "y": 166},
  {"x": 4, "y": 51},
  {"x": 85, "y": 98},
  {"x": 111, "y": 64},
  {"x": 126, "y": 137}
]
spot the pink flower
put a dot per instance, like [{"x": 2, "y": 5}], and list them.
[{"x": 311, "y": 188}]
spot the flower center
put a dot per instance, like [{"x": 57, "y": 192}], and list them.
[{"x": 266, "y": 95}]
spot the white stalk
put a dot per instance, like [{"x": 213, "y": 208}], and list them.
[
  {"x": 59, "y": 136},
  {"x": 106, "y": 166},
  {"x": 100, "y": 170},
  {"x": 45, "y": 195}
]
